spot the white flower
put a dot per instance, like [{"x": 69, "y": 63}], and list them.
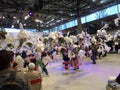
[
  {"x": 9, "y": 38},
  {"x": 52, "y": 35},
  {"x": 99, "y": 32},
  {"x": 74, "y": 38},
  {"x": 80, "y": 36},
  {"x": 23, "y": 34},
  {"x": 40, "y": 46},
  {"x": 103, "y": 32},
  {"x": 74, "y": 46},
  {"x": 68, "y": 40}
]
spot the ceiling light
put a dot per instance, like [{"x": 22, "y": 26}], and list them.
[
  {"x": 51, "y": 24},
  {"x": 58, "y": 20},
  {"x": 93, "y": 0},
  {"x": 60, "y": 11},
  {"x": 37, "y": 20},
  {"x": 12, "y": 26},
  {"x": 102, "y": 1},
  {"x": 72, "y": 14},
  {"x": 47, "y": 22},
  {"x": 24, "y": 24},
  {"x": 18, "y": 21},
  {"x": 26, "y": 17},
  {"x": 52, "y": 19},
  {"x": 3, "y": 17},
  {"x": 30, "y": 13},
  {"x": 14, "y": 17}
]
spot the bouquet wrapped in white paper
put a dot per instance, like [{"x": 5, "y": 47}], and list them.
[
  {"x": 80, "y": 36},
  {"x": 68, "y": 40},
  {"x": 40, "y": 46},
  {"x": 52, "y": 35},
  {"x": 74, "y": 38},
  {"x": 9, "y": 38},
  {"x": 103, "y": 32},
  {"x": 23, "y": 34}
]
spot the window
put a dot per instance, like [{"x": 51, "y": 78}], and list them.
[
  {"x": 118, "y": 8},
  {"x": 112, "y": 10},
  {"x": 83, "y": 20},
  {"x": 92, "y": 17}
]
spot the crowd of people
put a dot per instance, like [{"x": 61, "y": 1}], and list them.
[{"x": 31, "y": 62}]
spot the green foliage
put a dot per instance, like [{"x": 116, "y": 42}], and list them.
[
  {"x": 21, "y": 41},
  {"x": 45, "y": 40},
  {"x": 63, "y": 50},
  {"x": 29, "y": 44},
  {"x": 2, "y": 33},
  {"x": 9, "y": 45},
  {"x": 61, "y": 40}
]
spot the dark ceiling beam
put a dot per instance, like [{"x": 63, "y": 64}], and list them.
[
  {"x": 4, "y": 3},
  {"x": 64, "y": 5},
  {"x": 8, "y": 7},
  {"x": 94, "y": 8},
  {"x": 54, "y": 12}
]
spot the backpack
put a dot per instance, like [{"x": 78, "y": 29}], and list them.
[
  {"x": 11, "y": 83},
  {"x": 118, "y": 79}
]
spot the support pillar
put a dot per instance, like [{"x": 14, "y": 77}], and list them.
[{"x": 79, "y": 27}]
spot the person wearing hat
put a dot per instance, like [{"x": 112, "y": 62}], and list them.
[{"x": 34, "y": 77}]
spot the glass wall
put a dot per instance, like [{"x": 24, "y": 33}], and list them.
[
  {"x": 101, "y": 14},
  {"x": 66, "y": 25},
  {"x": 91, "y": 17}
]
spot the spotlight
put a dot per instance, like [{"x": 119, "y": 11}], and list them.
[{"x": 30, "y": 13}]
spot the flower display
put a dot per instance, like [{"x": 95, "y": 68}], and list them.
[
  {"x": 74, "y": 38},
  {"x": 52, "y": 35},
  {"x": 23, "y": 34},
  {"x": 40, "y": 46},
  {"x": 68, "y": 40}
]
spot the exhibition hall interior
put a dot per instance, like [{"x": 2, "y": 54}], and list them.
[{"x": 60, "y": 44}]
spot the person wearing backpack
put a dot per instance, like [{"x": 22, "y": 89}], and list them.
[{"x": 10, "y": 79}]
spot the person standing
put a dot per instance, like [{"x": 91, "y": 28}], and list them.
[
  {"x": 34, "y": 77},
  {"x": 20, "y": 61},
  {"x": 45, "y": 60},
  {"x": 6, "y": 63}
]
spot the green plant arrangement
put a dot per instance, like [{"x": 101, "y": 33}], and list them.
[{"x": 29, "y": 44}]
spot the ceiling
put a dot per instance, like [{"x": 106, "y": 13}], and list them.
[{"x": 46, "y": 14}]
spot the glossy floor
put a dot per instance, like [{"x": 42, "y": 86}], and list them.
[{"x": 89, "y": 77}]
